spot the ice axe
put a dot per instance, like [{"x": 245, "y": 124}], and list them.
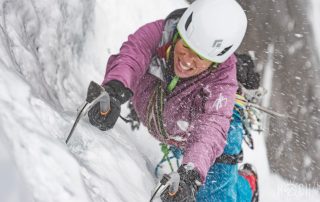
[
  {"x": 171, "y": 180},
  {"x": 95, "y": 93}
]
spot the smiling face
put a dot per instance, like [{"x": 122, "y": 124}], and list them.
[{"x": 186, "y": 62}]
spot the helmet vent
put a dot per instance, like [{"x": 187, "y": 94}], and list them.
[
  {"x": 188, "y": 22},
  {"x": 224, "y": 50}
]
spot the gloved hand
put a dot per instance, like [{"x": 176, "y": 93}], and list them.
[
  {"x": 118, "y": 95},
  {"x": 188, "y": 186}
]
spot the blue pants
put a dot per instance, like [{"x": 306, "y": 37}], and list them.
[{"x": 223, "y": 183}]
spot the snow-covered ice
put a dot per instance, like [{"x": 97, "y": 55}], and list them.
[{"x": 50, "y": 51}]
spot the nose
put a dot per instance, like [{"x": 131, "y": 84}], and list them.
[{"x": 189, "y": 59}]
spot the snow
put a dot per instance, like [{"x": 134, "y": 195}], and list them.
[
  {"x": 314, "y": 16},
  {"x": 298, "y": 35},
  {"x": 50, "y": 51},
  {"x": 183, "y": 125}
]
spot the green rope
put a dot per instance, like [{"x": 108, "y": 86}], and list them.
[{"x": 165, "y": 150}]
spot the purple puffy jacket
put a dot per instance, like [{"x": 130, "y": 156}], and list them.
[{"x": 196, "y": 114}]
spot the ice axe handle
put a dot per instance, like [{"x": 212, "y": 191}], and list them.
[
  {"x": 105, "y": 104},
  {"x": 174, "y": 183},
  {"x": 97, "y": 93}
]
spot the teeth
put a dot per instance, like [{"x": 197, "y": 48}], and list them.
[{"x": 184, "y": 67}]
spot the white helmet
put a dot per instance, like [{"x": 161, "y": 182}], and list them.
[{"x": 213, "y": 29}]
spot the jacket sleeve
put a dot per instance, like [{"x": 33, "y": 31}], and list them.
[
  {"x": 208, "y": 130},
  {"x": 135, "y": 55}
]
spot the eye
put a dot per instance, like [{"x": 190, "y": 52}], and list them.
[
  {"x": 185, "y": 45},
  {"x": 201, "y": 58}
]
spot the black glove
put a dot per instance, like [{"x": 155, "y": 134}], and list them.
[
  {"x": 188, "y": 186},
  {"x": 246, "y": 73},
  {"x": 118, "y": 95}
]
